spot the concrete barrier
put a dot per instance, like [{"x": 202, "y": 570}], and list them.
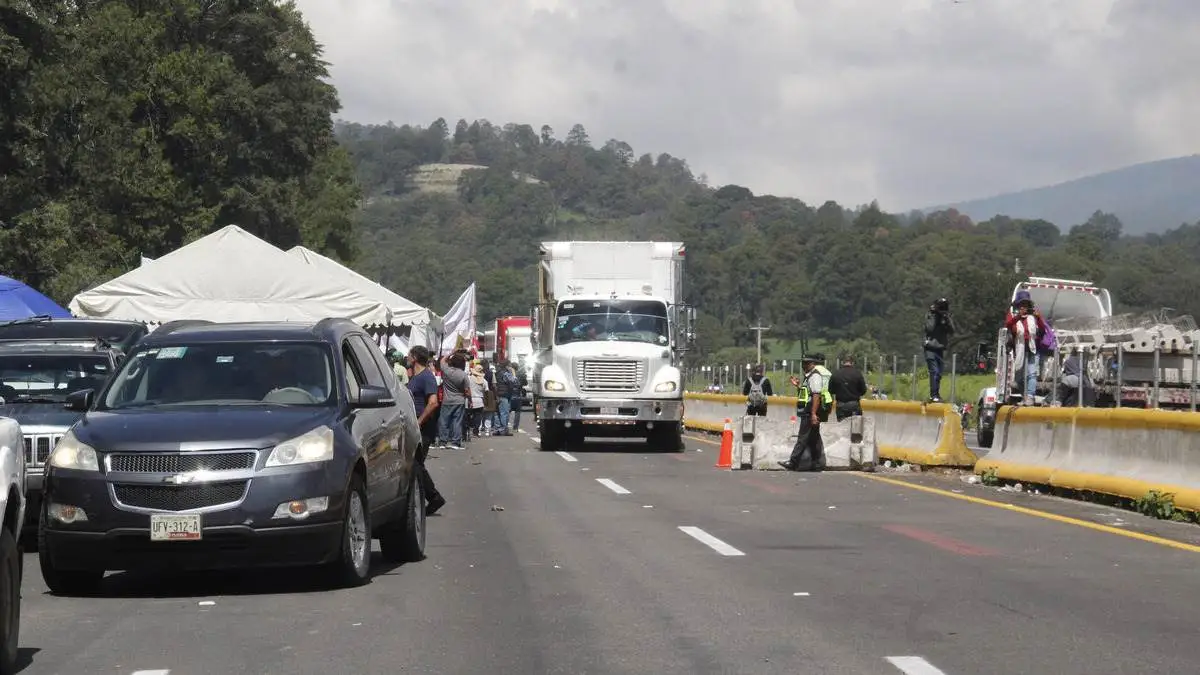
[
  {"x": 774, "y": 439},
  {"x": 927, "y": 434},
  {"x": 1122, "y": 452}
]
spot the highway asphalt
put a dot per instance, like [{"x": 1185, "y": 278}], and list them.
[{"x": 612, "y": 559}]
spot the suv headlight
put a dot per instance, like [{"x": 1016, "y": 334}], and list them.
[
  {"x": 71, "y": 454},
  {"x": 314, "y": 446}
]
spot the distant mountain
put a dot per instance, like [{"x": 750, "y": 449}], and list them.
[{"x": 1148, "y": 198}]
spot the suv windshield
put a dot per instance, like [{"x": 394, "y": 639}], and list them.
[
  {"x": 48, "y": 378},
  {"x": 224, "y": 373},
  {"x": 614, "y": 320}
]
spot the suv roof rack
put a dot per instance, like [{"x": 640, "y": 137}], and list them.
[{"x": 172, "y": 326}]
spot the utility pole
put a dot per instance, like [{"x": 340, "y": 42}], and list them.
[{"x": 759, "y": 329}]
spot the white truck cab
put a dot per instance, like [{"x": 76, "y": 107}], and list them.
[{"x": 610, "y": 331}]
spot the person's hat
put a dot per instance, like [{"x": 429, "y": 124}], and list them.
[{"x": 812, "y": 358}]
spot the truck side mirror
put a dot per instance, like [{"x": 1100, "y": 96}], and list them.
[{"x": 535, "y": 324}]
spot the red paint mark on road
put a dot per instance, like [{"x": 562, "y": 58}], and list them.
[
  {"x": 945, "y": 543},
  {"x": 681, "y": 457},
  {"x": 769, "y": 485}
]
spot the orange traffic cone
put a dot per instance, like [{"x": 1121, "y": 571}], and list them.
[{"x": 725, "y": 457}]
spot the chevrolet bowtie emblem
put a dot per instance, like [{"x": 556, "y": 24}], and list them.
[{"x": 179, "y": 479}]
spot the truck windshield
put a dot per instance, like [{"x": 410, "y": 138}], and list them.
[
  {"x": 45, "y": 378},
  {"x": 1062, "y": 304},
  {"x": 611, "y": 320}
]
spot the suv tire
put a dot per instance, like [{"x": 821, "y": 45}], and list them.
[
  {"x": 10, "y": 596},
  {"x": 353, "y": 566},
  {"x": 60, "y": 581},
  {"x": 405, "y": 541}
]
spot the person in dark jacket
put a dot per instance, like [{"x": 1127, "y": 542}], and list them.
[
  {"x": 756, "y": 389},
  {"x": 848, "y": 386},
  {"x": 939, "y": 328}
]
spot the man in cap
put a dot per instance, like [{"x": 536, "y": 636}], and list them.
[
  {"x": 848, "y": 386},
  {"x": 812, "y": 405},
  {"x": 757, "y": 389}
]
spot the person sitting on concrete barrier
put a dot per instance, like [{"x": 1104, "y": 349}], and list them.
[
  {"x": 756, "y": 390},
  {"x": 812, "y": 407},
  {"x": 848, "y": 387}
]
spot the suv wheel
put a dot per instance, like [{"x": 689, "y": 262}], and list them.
[
  {"x": 405, "y": 542},
  {"x": 353, "y": 566},
  {"x": 60, "y": 581},
  {"x": 10, "y": 601}
]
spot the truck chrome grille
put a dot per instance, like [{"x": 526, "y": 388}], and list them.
[
  {"x": 180, "y": 497},
  {"x": 38, "y": 448},
  {"x": 186, "y": 462},
  {"x": 623, "y": 376}
]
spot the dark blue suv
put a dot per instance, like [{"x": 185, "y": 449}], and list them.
[{"x": 236, "y": 445}]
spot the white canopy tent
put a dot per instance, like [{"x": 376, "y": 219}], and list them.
[
  {"x": 229, "y": 275},
  {"x": 426, "y": 325}
]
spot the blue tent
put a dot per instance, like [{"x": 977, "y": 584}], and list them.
[{"x": 18, "y": 301}]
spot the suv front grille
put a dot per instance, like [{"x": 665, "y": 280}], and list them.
[
  {"x": 38, "y": 448},
  {"x": 180, "y": 497},
  {"x": 181, "y": 462},
  {"x": 623, "y": 376}
]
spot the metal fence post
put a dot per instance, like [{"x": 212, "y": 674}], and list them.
[
  {"x": 1082, "y": 375},
  {"x": 1195, "y": 360},
  {"x": 1055, "y": 373},
  {"x": 895, "y": 377},
  {"x": 1156, "y": 375},
  {"x": 1120, "y": 373},
  {"x": 953, "y": 379},
  {"x": 882, "y": 374},
  {"x": 914, "y": 379}
]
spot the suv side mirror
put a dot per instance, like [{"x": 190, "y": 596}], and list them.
[
  {"x": 79, "y": 401},
  {"x": 371, "y": 396}
]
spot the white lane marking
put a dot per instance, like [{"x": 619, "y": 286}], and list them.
[
  {"x": 647, "y": 506},
  {"x": 801, "y": 594},
  {"x": 151, "y": 672},
  {"x": 611, "y": 485},
  {"x": 535, "y": 439},
  {"x": 709, "y": 540},
  {"x": 914, "y": 665},
  {"x": 566, "y": 455}
]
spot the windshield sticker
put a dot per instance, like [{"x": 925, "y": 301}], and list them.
[
  {"x": 224, "y": 359},
  {"x": 568, "y": 305},
  {"x": 172, "y": 352}
]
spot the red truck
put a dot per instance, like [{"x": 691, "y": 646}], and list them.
[{"x": 510, "y": 340}]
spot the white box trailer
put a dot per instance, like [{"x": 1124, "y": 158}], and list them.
[{"x": 610, "y": 330}]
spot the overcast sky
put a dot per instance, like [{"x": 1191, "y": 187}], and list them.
[{"x": 912, "y": 102}]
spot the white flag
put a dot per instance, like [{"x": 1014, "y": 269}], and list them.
[{"x": 459, "y": 323}]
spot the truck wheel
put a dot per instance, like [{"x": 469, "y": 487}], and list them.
[
  {"x": 666, "y": 437},
  {"x": 550, "y": 438}
]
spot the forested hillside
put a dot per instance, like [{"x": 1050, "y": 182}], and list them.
[{"x": 817, "y": 271}]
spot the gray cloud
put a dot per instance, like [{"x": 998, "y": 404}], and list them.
[{"x": 913, "y": 102}]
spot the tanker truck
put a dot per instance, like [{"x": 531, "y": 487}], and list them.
[{"x": 609, "y": 331}]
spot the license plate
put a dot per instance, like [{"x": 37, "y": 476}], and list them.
[
  {"x": 181, "y": 527},
  {"x": 610, "y": 411}
]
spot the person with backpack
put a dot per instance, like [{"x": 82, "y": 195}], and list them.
[
  {"x": 756, "y": 390},
  {"x": 1026, "y": 329}
]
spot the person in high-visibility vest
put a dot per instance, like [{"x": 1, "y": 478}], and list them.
[{"x": 813, "y": 404}]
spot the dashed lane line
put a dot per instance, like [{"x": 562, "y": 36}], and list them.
[
  {"x": 566, "y": 455},
  {"x": 914, "y": 665},
  {"x": 709, "y": 540},
  {"x": 151, "y": 672},
  {"x": 612, "y": 485}
]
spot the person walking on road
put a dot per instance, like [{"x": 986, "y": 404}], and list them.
[
  {"x": 939, "y": 327},
  {"x": 479, "y": 387},
  {"x": 424, "y": 389},
  {"x": 812, "y": 405},
  {"x": 456, "y": 391},
  {"x": 848, "y": 387},
  {"x": 506, "y": 386},
  {"x": 756, "y": 390}
]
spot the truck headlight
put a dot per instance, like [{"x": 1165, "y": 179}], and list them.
[
  {"x": 554, "y": 385},
  {"x": 662, "y": 387},
  {"x": 71, "y": 454},
  {"x": 314, "y": 446}
]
